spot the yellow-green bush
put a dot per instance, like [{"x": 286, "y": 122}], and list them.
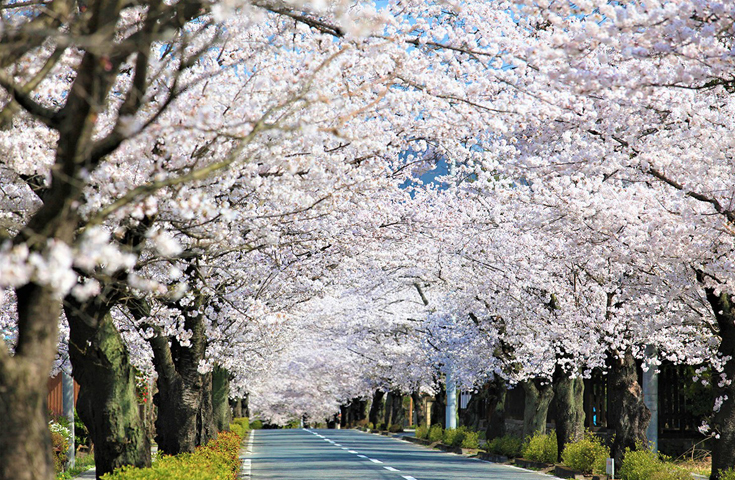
[
  {"x": 507, "y": 445},
  {"x": 541, "y": 448},
  {"x": 643, "y": 464},
  {"x": 728, "y": 474},
  {"x": 587, "y": 455},
  {"x": 436, "y": 432},
  {"x": 240, "y": 426},
  {"x": 422, "y": 432},
  {"x": 218, "y": 460},
  {"x": 470, "y": 440}
]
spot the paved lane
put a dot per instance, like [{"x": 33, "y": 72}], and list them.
[{"x": 351, "y": 454}]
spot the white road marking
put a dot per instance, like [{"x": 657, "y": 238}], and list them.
[
  {"x": 250, "y": 441},
  {"x": 361, "y": 456},
  {"x": 374, "y": 461},
  {"x": 351, "y": 451},
  {"x": 391, "y": 469},
  {"x": 345, "y": 448},
  {"x": 337, "y": 445},
  {"x": 408, "y": 477}
]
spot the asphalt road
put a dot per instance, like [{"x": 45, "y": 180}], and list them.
[{"x": 350, "y": 454}]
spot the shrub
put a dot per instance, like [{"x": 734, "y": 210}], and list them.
[
  {"x": 452, "y": 437},
  {"x": 370, "y": 426},
  {"x": 218, "y": 460},
  {"x": 256, "y": 425},
  {"x": 60, "y": 440},
  {"x": 506, "y": 445},
  {"x": 470, "y": 440},
  {"x": 728, "y": 474},
  {"x": 587, "y": 455},
  {"x": 436, "y": 432},
  {"x": 395, "y": 428},
  {"x": 541, "y": 448},
  {"x": 643, "y": 464},
  {"x": 241, "y": 426},
  {"x": 422, "y": 432}
]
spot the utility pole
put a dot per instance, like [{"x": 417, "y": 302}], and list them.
[
  {"x": 451, "y": 416},
  {"x": 67, "y": 393}
]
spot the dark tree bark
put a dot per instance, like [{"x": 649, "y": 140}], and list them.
[
  {"x": 628, "y": 415},
  {"x": 184, "y": 397},
  {"x": 569, "y": 406},
  {"x": 495, "y": 408},
  {"x": 222, "y": 416},
  {"x": 539, "y": 394},
  {"x": 236, "y": 407},
  {"x": 394, "y": 413},
  {"x": 107, "y": 403},
  {"x": 723, "y": 421},
  {"x": 439, "y": 407},
  {"x": 419, "y": 406},
  {"x": 376, "y": 408}
]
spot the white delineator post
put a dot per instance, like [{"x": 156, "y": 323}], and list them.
[{"x": 451, "y": 415}]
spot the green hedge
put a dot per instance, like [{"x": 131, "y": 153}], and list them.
[
  {"x": 436, "y": 433},
  {"x": 541, "y": 448},
  {"x": 240, "y": 426},
  {"x": 643, "y": 464},
  {"x": 218, "y": 460},
  {"x": 507, "y": 445},
  {"x": 587, "y": 455},
  {"x": 422, "y": 432}
]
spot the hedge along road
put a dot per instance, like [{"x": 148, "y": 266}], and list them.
[{"x": 350, "y": 454}]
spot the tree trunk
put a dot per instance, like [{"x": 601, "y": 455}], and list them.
[
  {"x": 495, "y": 410},
  {"x": 398, "y": 414},
  {"x": 184, "y": 397},
  {"x": 569, "y": 406},
  {"x": 723, "y": 421},
  {"x": 439, "y": 408},
  {"x": 25, "y": 441},
  {"x": 376, "y": 408},
  {"x": 419, "y": 406},
  {"x": 628, "y": 415},
  {"x": 471, "y": 415},
  {"x": 221, "y": 413},
  {"x": 107, "y": 403},
  {"x": 538, "y": 398},
  {"x": 236, "y": 407}
]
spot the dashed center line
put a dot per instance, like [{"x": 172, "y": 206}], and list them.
[{"x": 390, "y": 469}]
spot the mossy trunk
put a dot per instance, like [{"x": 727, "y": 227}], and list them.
[
  {"x": 376, "y": 408},
  {"x": 495, "y": 408},
  {"x": 25, "y": 441},
  {"x": 222, "y": 416},
  {"x": 723, "y": 421},
  {"x": 628, "y": 415},
  {"x": 539, "y": 394},
  {"x": 569, "y": 406},
  {"x": 108, "y": 402},
  {"x": 184, "y": 398}
]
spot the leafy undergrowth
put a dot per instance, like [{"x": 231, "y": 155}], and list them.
[
  {"x": 82, "y": 463},
  {"x": 218, "y": 460}
]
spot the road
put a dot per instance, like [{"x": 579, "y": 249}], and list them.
[{"x": 301, "y": 454}]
